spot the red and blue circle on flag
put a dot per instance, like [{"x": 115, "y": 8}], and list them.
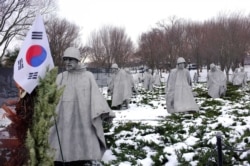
[{"x": 36, "y": 55}]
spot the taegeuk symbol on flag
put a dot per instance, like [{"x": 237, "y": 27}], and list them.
[{"x": 34, "y": 57}]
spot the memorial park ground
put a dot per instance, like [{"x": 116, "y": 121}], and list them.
[{"x": 147, "y": 135}]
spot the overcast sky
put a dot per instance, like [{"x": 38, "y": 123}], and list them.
[{"x": 138, "y": 16}]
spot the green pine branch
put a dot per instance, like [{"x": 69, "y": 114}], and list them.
[{"x": 48, "y": 95}]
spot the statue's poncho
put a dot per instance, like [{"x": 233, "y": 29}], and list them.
[
  {"x": 78, "y": 117},
  {"x": 131, "y": 83},
  {"x": 148, "y": 81},
  {"x": 179, "y": 96},
  {"x": 216, "y": 83},
  {"x": 157, "y": 79},
  {"x": 239, "y": 78},
  {"x": 120, "y": 87}
]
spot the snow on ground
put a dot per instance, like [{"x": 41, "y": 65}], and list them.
[{"x": 151, "y": 116}]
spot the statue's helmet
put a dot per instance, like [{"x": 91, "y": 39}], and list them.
[
  {"x": 241, "y": 68},
  {"x": 180, "y": 60},
  {"x": 114, "y": 66},
  {"x": 212, "y": 65},
  {"x": 72, "y": 52}
]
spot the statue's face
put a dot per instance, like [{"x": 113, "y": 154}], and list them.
[
  {"x": 213, "y": 68},
  {"x": 181, "y": 65},
  {"x": 114, "y": 70},
  {"x": 70, "y": 63}
]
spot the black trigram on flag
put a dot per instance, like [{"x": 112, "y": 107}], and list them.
[
  {"x": 20, "y": 64},
  {"x": 37, "y": 35},
  {"x": 33, "y": 75}
]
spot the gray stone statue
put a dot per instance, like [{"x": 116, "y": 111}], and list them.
[
  {"x": 216, "y": 82},
  {"x": 120, "y": 88},
  {"x": 239, "y": 77},
  {"x": 148, "y": 80},
  {"x": 157, "y": 79},
  {"x": 80, "y": 113},
  {"x": 179, "y": 96},
  {"x": 195, "y": 78}
]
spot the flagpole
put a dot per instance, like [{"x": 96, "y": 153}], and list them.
[{"x": 59, "y": 140}]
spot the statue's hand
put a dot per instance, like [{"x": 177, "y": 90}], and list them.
[
  {"x": 109, "y": 92},
  {"x": 108, "y": 117},
  {"x": 108, "y": 120}
]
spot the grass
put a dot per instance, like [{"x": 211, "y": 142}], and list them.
[{"x": 176, "y": 129}]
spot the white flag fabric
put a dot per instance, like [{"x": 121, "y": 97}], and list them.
[{"x": 34, "y": 57}]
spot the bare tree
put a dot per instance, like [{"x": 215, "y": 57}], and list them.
[
  {"x": 226, "y": 41},
  {"x": 208, "y": 51},
  {"x": 173, "y": 44},
  {"x": 195, "y": 41},
  {"x": 61, "y": 35},
  {"x": 98, "y": 54},
  {"x": 17, "y": 15},
  {"x": 151, "y": 48},
  {"x": 85, "y": 53},
  {"x": 110, "y": 45},
  {"x": 235, "y": 40}
]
